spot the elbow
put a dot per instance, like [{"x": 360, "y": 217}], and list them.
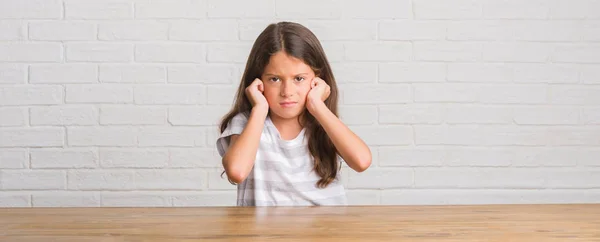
[
  {"x": 364, "y": 161},
  {"x": 236, "y": 178},
  {"x": 360, "y": 161},
  {"x": 235, "y": 173},
  {"x": 363, "y": 165}
]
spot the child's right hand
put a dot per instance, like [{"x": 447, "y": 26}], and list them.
[{"x": 254, "y": 92}]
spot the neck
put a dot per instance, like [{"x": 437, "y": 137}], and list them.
[{"x": 288, "y": 128}]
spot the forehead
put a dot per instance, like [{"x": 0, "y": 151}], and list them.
[{"x": 284, "y": 64}]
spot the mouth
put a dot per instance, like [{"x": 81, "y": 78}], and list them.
[{"x": 288, "y": 104}]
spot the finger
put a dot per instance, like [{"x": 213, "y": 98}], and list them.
[
  {"x": 320, "y": 81},
  {"x": 261, "y": 87},
  {"x": 258, "y": 83}
]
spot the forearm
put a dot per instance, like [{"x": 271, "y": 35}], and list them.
[
  {"x": 239, "y": 159},
  {"x": 353, "y": 149}
]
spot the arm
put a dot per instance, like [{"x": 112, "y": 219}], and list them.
[
  {"x": 239, "y": 158},
  {"x": 354, "y": 151}
]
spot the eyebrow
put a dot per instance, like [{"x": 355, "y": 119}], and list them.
[{"x": 269, "y": 74}]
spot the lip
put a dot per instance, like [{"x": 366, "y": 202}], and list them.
[{"x": 287, "y": 104}]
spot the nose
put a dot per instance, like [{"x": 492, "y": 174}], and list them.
[{"x": 287, "y": 88}]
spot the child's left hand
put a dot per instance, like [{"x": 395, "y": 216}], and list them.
[{"x": 319, "y": 91}]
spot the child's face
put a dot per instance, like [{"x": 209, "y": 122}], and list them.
[{"x": 287, "y": 82}]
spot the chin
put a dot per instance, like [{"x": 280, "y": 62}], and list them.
[{"x": 286, "y": 113}]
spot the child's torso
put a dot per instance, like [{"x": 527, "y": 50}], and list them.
[{"x": 283, "y": 175}]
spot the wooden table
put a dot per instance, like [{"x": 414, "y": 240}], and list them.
[{"x": 353, "y": 223}]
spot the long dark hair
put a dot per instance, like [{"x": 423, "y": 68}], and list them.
[{"x": 299, "y": 42}]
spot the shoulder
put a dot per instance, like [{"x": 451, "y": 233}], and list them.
[
  {"x": 237, "y": 121},
  {"x": 238, "y": 118},
  {"x": 234, "y": 127}
]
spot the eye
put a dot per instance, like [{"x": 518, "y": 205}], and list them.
[
  {"x": 274, "y": 79},
  {"x": 299, "y": 79}
]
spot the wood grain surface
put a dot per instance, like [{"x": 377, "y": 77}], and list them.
[{"x": 558, "y": 222}]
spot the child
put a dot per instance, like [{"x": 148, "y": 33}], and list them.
[{"x": 282, "y": 142}]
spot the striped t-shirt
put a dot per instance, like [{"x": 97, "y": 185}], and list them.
[{"x": 283, "y": 172}]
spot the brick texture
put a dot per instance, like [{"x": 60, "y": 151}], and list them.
[{"x": 116, "y": 102}]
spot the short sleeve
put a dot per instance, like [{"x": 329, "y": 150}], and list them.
[
  {"x": 235, "y": 126},
  {"x": 340, "y": 159}
]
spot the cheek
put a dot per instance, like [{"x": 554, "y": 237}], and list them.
[
  {"x": 271, "y": 94},
  {"x": 304, "y": 88}
]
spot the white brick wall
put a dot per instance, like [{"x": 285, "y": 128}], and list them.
[{"x": 115, "y": 102}]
